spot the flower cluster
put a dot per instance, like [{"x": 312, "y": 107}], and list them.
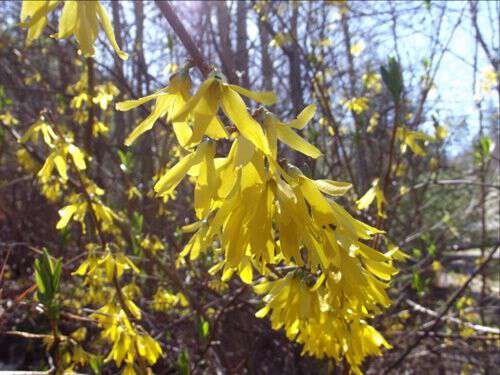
[{"x": 258, "y": 213}]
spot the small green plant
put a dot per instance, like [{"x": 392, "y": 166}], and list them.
[{"x": 48, "y": 277}]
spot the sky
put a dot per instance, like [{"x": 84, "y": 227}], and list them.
[{"x": 453, "y": 96}]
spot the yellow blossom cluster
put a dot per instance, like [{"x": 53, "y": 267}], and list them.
[{"x": 259, "y": 213}]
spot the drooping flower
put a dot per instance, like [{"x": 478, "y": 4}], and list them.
[
  {"x": 78, "y": 18},
  {"x": 167, "y": 101}
]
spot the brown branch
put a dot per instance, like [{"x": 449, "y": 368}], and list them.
[
  {"x": 387, "y": 178},
  {"x": 479, "y": 35},
  {"x": 476, "y": 327},
  {"x": 90, "y": 104},
  {"x": 447, "y": 307},
  {"x": 187, "y": 41}
]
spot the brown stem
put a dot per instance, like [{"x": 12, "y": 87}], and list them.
[
  {"x": 55, "y": 346},
  {"x": 187, "y": 41},
  {"x": 387, "y": 178},
  {"x": 90, "y": 104},
  {"x": 447, "y": 307}
]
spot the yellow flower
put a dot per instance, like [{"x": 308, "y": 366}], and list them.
[
  {"x": 128, "y": 341},
  {"x": 163, "y": 300},
  {"x": 354, "y": 339},
  {"x": 152, "y": 244},
  {"x": 277, "y": 130},
  {"x": 58, "y": 159},
  {"x": 372, "y": 81},
  {"x": 98, "y": 128},
  {"x": 8, "y": 119},
  {"x": 299, "y": 304},
  {"x": 214, "y": 92},
  {"x": 78, "y": 18},
  {"x": 375, "y": 192},
  {"x": 256, "y": 215},
  {"x": 26, "y": 161},
  {"x": 357, "y": 48},
  {"x": 440, "y": 132},
  {"x": 40, "y": 127},
  {"x": 410, "y": 138},
  {"x": 169, "y": 181},
  {"x": 37, "y": 12},
  {"x": 168, "y": 101},
  {"x": 356, "y": 105}
]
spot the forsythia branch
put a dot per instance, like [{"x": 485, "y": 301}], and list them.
[{"x": 183, "y": 35}]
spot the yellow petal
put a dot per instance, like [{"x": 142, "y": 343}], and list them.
[
  {"x": 129, "y": 104},
  {"x": 68, "y": 19},
  {"x": 216, "y": 268},
  {"x": 322, "y": 209},
  {"x": 144, "y": 126},
  {"x": 66, "y": 213},
  {"x": 108, "y": 29},
  {"x": 206, "y": 184},
  {"x": 382, "y": 270},
  {"x": 169, "y": 181},
  {"x": 88, "y": 29},
  {"x": 304, "y": 117},
  {"x": 318, "y": 282},
  {"x": 368, "y": 252},
  {"x": 61, "y": 166},
  {"x": 47, "y": 168},
  {"x": 37, "y": 12},
  {"x": 78, "y": 157},
  {"x": 182, "y": 132},
  {"x": 264, "y": 97},
  {"x": 244, "y": 151},
  {"x": 367, "y": 199},
  {"x": 333, "y": 188},
  {"x": 215, "y": 129},
  {"x": 201, "y": 122},
  {"x": 263, "y": 312},
  {"x": 292, "y": 139},
  {"x": 183, "y": 112},
  {"x": 234, "y": 107},
  {"x": 246, "y": 271}
]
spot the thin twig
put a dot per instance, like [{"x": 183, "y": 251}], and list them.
[
  {"x": 445, "y": 310},
  {"x": 187, "y": 41}
]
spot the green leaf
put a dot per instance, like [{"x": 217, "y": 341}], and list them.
[
  {"x": 393, "y": 79},
  {"x": 96, "y": 362},
  {"x": 56, "y": 277},
  {"x": 416, "y": 283},
  {"x": 38, "y": 278},
  {"x": 431, "y": 249},
  {"x": 202, "y": 327},
  {"x": 47, "y": 279},
  {"x": 126, "y": 160},
  {"x": 183, "y": 362},
  {"x": 136, "y": 233},
  {"x": 485, "y": 146}
]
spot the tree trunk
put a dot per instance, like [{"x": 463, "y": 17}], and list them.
[
  {"x": 119, "y": 130},
  {"x": 359, "y": 128},
  {"x": 225, "y": 49},
  {"x": 146, "y": 140},
  {"x": 294, "y": 68},
  {"x": 266, "y": 63},
  {"x": 241, "y": 48}
]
